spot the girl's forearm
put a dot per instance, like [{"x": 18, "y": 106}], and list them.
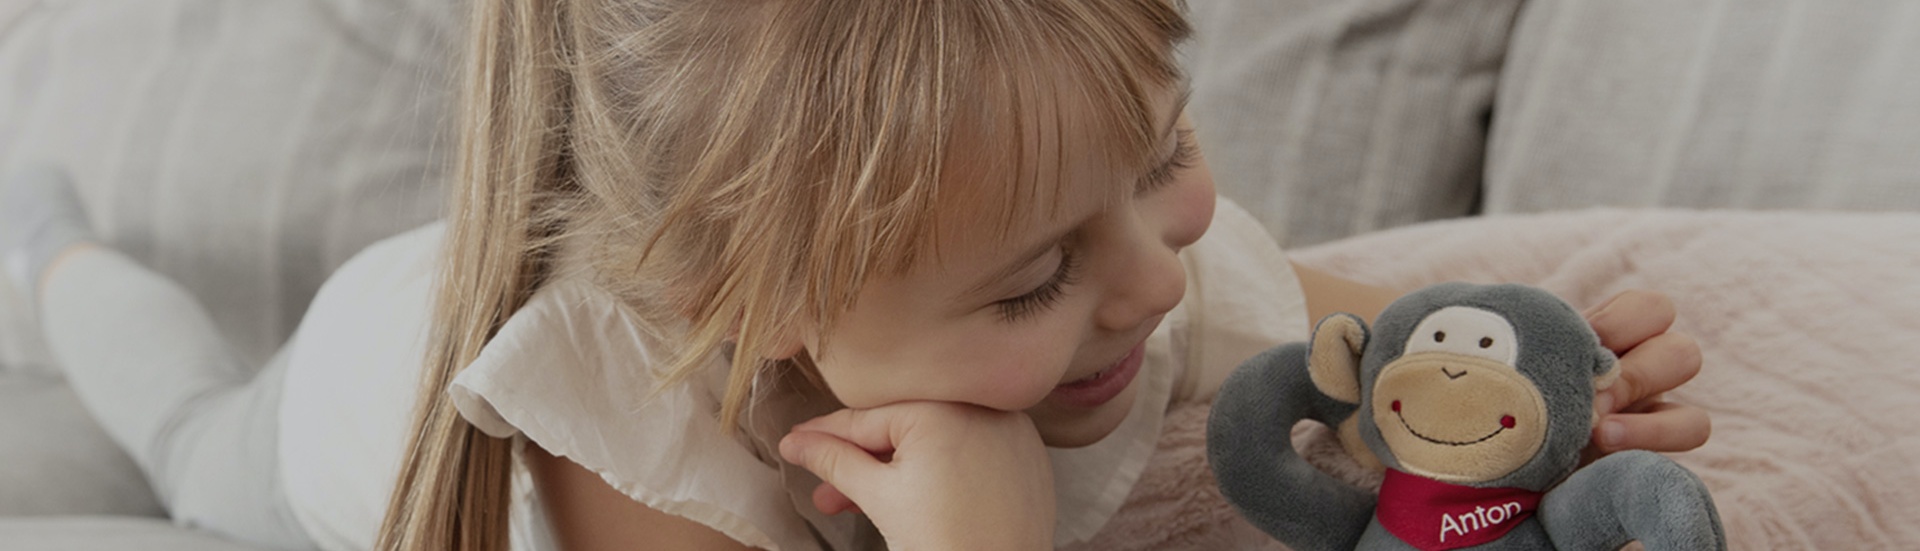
[{"x": 1327, "y": 293}]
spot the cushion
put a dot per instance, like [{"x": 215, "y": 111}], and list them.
[
  {"x": 54, "y": 460},
  {"x": 244, "y": 148},
  {"x": 1759, "y": 104},
  {"x": 106, "y": 534},
  {"x": 1326, "y": 119}
]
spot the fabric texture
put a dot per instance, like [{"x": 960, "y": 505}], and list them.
[
  {"x": 1761, "y": 104},
  {"x": 1327, "y": 119},
  {"x": 153, "y": 370},
  {"x": 244, "y": 149}
]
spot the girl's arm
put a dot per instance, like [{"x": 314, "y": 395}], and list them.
[
  {"x": 1327, "y": 293},
  {"x": 588, "y": 515}
]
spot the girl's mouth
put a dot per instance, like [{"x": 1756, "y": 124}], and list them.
[{"x": 1101, "y": 387}]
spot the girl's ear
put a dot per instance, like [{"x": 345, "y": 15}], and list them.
[
  {"x": 786, "y": 349},
  {"x": 791, "y": 343}
]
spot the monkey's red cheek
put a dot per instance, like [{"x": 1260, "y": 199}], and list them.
[{"x": 1507, "y": 421}]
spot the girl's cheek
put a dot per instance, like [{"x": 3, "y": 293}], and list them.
[
  {"x": 1015, "y": 387},
  {"x": 1018, "y": 374}
]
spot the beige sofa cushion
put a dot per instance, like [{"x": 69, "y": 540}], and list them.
[
  {"x": 1749, "y": 104},
  {"x": 1326, "y": 119},
  {"x": 243, "y": 148},
  {"x": 106, "y": 534},
  {"x": 55, "y": 461}
]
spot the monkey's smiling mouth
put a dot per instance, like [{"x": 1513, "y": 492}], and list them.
[{"x": 1504, "y": 425}]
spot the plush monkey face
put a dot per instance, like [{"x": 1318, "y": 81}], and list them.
[
  {"x": 1480, "y": 385},
  {"x": 1454, "y": 407}
]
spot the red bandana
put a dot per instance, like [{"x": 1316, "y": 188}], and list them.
[{"x": 1435, "y": 516}]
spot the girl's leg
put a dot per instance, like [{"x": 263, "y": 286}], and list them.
[{"x": 147, "y": 361}]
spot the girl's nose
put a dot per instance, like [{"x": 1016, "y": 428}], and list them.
[{"x": 1152, "y": 283}]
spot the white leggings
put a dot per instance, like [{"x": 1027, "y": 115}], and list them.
[{"x": 147, "y": 361}]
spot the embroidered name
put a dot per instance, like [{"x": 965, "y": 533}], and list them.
[
  {"x": 1430, "y": 515},
  {"x": 1477, "y": 519}
]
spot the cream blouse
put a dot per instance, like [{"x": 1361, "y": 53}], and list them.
[{"x": 573, "y": 371}]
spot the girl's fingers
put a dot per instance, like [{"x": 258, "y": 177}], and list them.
[
  {"x": 1664, "y": 427},
  {"x": 836, "y": 461},
  {"x": 829, "y": 500},
  {"x": 877, "y": 430},
  {"x": 1630, "y": 318},
  {"x": 1659, "y": 364}
]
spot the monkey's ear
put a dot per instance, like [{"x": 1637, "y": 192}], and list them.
[
  {"x": 1606, "y": 368},
  {"x": 1333, "y": 359}
]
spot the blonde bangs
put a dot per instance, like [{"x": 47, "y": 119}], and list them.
[
  {"x": 1089, "y": 75},
  {"x": 979, "y": 81}
]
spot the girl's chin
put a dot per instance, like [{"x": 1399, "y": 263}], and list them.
[{"x": 1075, "y": 427}]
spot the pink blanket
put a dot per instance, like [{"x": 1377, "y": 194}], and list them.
[{"x": 1810, "y": 327}]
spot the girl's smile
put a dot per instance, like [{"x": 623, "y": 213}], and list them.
[{"x": 1101, "y": 387}]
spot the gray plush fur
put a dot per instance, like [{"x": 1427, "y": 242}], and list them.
[{"x": 1624, "y": 497}]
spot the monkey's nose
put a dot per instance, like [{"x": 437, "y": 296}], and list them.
[{"x": 1451, "y": 375}]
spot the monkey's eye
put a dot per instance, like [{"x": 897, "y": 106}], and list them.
[{"x": 1494, "y": 335}]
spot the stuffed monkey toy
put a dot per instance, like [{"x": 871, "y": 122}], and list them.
[{"x": 1477, "y": 400}]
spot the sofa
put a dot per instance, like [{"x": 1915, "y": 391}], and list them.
[{"x": 246, "y": 148}]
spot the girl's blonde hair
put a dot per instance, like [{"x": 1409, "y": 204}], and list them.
[{"x": 739, "y": 168}]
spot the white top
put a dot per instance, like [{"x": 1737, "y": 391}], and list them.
[{"x": 572, "y": 372}]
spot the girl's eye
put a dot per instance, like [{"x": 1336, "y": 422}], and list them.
[
  {"x": 1184, "y": 155},
  {"x": 1046, "y": 295}
]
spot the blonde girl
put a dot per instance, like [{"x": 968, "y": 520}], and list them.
[{"x": 794, "y": 274}]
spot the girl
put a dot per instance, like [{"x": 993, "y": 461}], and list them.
[{"x": 718, "y": 272}]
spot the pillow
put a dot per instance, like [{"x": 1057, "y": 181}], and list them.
[
  {"x": 54, "y": 460},
  {"x": 1773, "y": 104},
  {"x": 109, "y": 534},
  {"x": 243, "y": 148},
  {"x": 1326, "y": 119}
]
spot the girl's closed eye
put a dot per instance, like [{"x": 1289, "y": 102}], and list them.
[
  {"x": 1046, "y": 295},
  {"x": 1185, "y": 153}
]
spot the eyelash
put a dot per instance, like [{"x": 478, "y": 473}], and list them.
[
  {"x": 1184, "y": 155},
  {"x": 1048, "y": 294}
]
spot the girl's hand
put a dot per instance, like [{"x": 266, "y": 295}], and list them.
[
  {"x": 1633, "y": 324},
  {"x": 932, "y": 475}
]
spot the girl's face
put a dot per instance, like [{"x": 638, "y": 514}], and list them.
[{"x": 1049, "y": 319}]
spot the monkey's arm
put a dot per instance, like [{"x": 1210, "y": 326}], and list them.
[
  {"x": 1632, "y": 495},
  {"x": 1250, "y": 445}
]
